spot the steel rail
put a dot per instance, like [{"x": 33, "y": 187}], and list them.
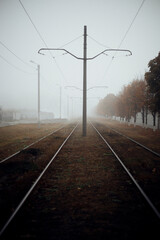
[
  {"x": 130, "y": 175},
  {"x": 34, "y": 184},
  {"x": 139, "y": 144},
  {"x": 40, "y": 139}
]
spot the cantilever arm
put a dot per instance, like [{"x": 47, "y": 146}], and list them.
[
  {"x": 74, "y": 87},
  {"x": 107, "y": 50},
  {"x": 59, "y": 49}
]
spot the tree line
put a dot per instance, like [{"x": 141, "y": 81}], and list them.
[{"x": 141, "y": 95}]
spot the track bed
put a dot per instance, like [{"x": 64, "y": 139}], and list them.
[{"x": 84, "y": 194}]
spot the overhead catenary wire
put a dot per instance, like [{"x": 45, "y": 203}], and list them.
[
  {"x": 40, "y": 36},
  {"x": 75, "y": 39},
  {"x": 131, "y": 23},
  {"x": 33, "y": 23},
  {"x": 11, "y": 64},
  {"x": 101, "y": 44},
  {"x": 125, "y": 35},
  {"x": 42, "y": 39},
  {"x": 15, "y": 55}
]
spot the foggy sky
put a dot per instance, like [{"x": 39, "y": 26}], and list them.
[{"x": 59, "y": 22}]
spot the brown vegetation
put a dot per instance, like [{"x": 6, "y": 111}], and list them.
[
  {"x": 141, "y": 95},
  {"x": 85, "y": 193}
]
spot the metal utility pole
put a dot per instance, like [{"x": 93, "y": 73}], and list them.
[
  {"x": 68, "y": 107},
  {"x": 38, "y": 95},
  {"x": 85, "y": 59},
  {"x": 85, "y": 82},
  {"x": 38, "y": 69},
  {"x": 60, "y": 101}
]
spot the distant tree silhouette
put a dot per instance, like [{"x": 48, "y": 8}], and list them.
[{"x": 153, "y": 80}]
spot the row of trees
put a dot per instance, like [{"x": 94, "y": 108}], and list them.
[{"x": 141, "y": 95}]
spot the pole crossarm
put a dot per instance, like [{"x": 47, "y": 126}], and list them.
[
  {"x": 87, "y": 88},
  {"x": 111, "y": 50},
  {"x": 80, "y": 58},
  {"x": 59, "y": 49},
  {"x": 74, "y": 87}
]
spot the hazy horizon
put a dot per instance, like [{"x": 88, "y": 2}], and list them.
[{"x": 27, "y": 25}]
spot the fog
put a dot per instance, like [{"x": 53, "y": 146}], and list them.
[{"x": 27, "y": 24}]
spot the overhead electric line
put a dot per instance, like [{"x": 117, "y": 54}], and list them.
[
  {"x": 101, "y": 44},
  {"x": 4, "y": 59},
  {"x": 131, "y": 23},
  {"x": 45, "y": 42},
  {"x": 33, "y": 24},
  {"x": 75, "y": 39},
  {"x": 41, "y": 37},
  {"x": 15, "y": 54},
  {"x": 124, "y": 36}
]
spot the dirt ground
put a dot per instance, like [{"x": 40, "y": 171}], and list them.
[
  {"x": 19, "y": 172},
  {"x": 86, "y": 194},
  {"x": 145, "y": 136},
  {"x": 14, "y": 138}
]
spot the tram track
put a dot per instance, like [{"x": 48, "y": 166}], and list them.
[
  {"x": 21, "y": 170},
  {"x": 139, "y": 136},
  {"x": 150, "y": 203},
  {"x": 134, "y": 141},
  {"x": 29, "y": 145},
  {"x": 128, "y": 147},
  {"x": 85, "y": 193},
  {"x": 142, "y": 163}
]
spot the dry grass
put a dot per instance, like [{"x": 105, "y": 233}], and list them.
[{"x": 14, "y": 138}]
